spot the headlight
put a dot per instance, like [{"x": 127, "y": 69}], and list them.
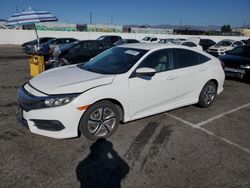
[{"x": 59, "y": 100}]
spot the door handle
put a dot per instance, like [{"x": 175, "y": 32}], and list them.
[{"x": 172, "y": 77}]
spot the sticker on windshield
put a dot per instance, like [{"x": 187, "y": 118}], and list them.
[{"x": 132, "y": 52}]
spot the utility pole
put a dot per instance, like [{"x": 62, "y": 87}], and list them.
[
  {"x": 180, "y": 22},
  {"x": 90, "y": 17},
  {"x": 111, "y": 19}
]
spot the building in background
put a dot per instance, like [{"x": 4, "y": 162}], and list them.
[
  {"x": 55, "y": 26},
  {"x": 104, "y": 28},
  {"x": 243, "y": 32},
  {"x": 147, "y": 30}
]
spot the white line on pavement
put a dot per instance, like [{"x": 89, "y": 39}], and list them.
[
  {"x": 222, "y": 114},
  {"x": 211, "y": 133}
]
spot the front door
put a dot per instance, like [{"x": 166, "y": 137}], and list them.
[{"x": 155, "y": 94}]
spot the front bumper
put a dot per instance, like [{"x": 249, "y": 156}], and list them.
[
  {"x": 56, "y": 122},
  {"x": 216, "y": 53}
]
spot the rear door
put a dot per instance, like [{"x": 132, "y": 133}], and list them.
[{"x": 192, "y": 69}]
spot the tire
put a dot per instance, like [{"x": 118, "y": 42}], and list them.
[
  {"x": 63, "y": 62},
  {"x": 208, "y": 94},
  {"x": 100, "y": 120}
]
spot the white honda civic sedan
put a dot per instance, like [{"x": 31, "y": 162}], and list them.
[{"x": 121, "y": 84}]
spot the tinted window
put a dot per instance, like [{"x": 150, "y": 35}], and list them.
[
  {"x": 160, "y": 61},
  {"x": 190, "y": 44},
  {"x": 186, "y": 58},
  {"x": 153, "y": 39},
  {"x": 76, "y": 48},
  {"x": 225, "y": 43},
  {"x": 107, "y": 45},
  {"x": 237, "y": 44},
  {"x": 93, "y": 45},
  {"x": 240, "y": 51}
]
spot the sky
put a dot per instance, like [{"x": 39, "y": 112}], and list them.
[{"x": 153, "y": 12}]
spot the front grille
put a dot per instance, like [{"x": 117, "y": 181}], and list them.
[{"x": 27, "y": 101}]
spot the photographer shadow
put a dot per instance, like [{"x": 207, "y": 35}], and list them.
[{"x": 103, "y": 167}]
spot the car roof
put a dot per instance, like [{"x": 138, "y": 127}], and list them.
[
  {"x": 229, "y": 40},
  {"x": 148, "y": 46}
]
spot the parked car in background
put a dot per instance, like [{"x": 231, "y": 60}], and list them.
[
  {"x": 82, "y": 51},
  {"x": 167, "y": 40},
  {"x": 30, "y": 46},
  {"x": 179, "y": 40},
  {"x": 44, "y": 49},
  {"x": 95, "y": 97},
  {"x": 206, "y": 43},
  {"x": 246, "y": 41},
  {"x": 237, "y": 62},
  {"x": 191, "y": 44},
  {"x": 109, "y": 38},
  {"x": 55, "y": 51},
  {"x": 223, "y": 46},
  {"x": 150, "y": 40},
  {"x": 126, "y": 41}
]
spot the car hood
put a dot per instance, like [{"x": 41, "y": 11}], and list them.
[{"x": 68, "y": 79}]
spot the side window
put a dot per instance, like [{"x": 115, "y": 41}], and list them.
[
  {"x": 67, "y": 41},
  {"x": 75, "y": 49},
  {"x": 190, "y": 44},
  {"x": 153, "y": 39},
  {"x": 59, "y": 41},
  {"x": 93, "y": 45},
  {"x": 54, "y": 42},
  {"x": 186, "y": 58},
  {"x": 106, "y": 45},
  {"x": 160, "y": 61},
  {"x": 85, "y": 46}
]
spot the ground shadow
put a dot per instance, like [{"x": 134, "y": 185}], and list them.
[{"x": 103, "y": 167}]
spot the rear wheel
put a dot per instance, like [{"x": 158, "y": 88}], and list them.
[
  {"x": 208, "y": 94},
  {"x": 100, "y": 120}
]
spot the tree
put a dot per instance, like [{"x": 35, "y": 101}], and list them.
[{"x": 226, "y": 29}]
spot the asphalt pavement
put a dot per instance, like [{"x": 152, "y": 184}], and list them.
[{"x": 187, "y": 147}]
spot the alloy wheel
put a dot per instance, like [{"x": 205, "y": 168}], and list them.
[
  {"x": 209, "y": 94},
  {"x": 101, "y": 122}
]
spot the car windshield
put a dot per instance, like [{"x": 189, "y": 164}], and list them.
[
  {"x": 240, "y": 51},
  {"x": 120, "y": 42},
  {"x": 101, "y": 38},
  {"x": 67, "y": 46},
  {"x": 225, "y": 43},
  {"x": 116, "y": 60}
]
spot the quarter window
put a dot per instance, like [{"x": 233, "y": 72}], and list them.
[{"x": 186, "y": 58}]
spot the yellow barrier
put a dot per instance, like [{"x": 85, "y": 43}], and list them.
[{"x": 36, "y": 65}]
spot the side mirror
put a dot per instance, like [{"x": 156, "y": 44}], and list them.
[{"x": 145, "y": 71}]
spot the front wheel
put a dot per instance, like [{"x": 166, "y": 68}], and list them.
[
  {"x": 100, "y": 120},
  {"x": 208, "y": 94}
]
